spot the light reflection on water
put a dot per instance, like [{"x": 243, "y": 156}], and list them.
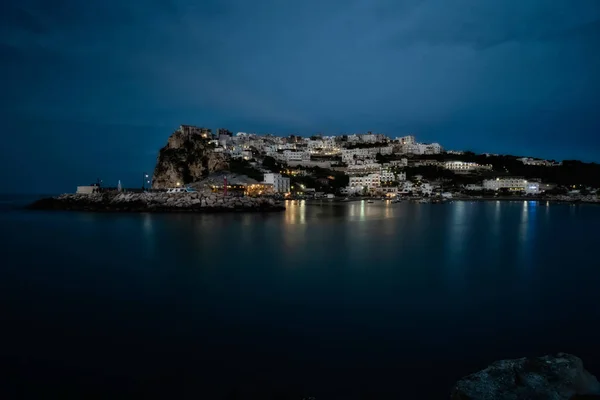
[{"x": 319, "y": 284}]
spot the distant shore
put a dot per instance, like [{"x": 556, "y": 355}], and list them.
[
  {"x": 155, "y": 202},
  {"x": 553, "y": 199}
]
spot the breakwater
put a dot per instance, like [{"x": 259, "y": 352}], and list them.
[{"x": 155, "y": 202}]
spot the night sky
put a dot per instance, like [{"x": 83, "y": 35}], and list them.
[{"x": 93, "y": 88}]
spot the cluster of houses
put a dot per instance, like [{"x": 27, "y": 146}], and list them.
[{"x": 373, "y": 162}]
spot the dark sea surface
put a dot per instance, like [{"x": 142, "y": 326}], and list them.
[{"x": 334, "y": 301}]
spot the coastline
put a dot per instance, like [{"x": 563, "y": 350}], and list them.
[
  {"x": 197, "y": 202},
  {"x": 155, "y": 203},
  {"x": 553, "y": 200}
]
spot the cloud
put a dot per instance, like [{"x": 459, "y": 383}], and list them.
[
  {"x": 483, "y": 25},
  {"x": 305, "y": 64}
]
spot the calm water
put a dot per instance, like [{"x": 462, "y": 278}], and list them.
[{"x": 349, "y": 301}]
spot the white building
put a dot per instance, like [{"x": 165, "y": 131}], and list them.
[
  {"x": 369, "y": 182},
  {"x": 465, "y": 167},
  {"x": 363, "y": 169},
  {"x": 411, "y": 148},
  {"x": 386, "y": 150},
  {"x": 512, "y": 184},
  {"x": 387, "y": 175},
  {"x": 349, "y": 155},
  {"x": 532, "y": 188},
  {"x": 406, "y": 140},
  {"x": 403, "y": 162},
  {"x": 408, "y": 145},
  {"x": 538, "y": 163},
  {"x": 426, "y": 189},
  {"x": 295, "y": 155},
  {"x": 432, "y": 148},
  {"x": 280, "y": 184},
  {"x": 407, "y": 187},
  {"x": 371, "y": 138}
]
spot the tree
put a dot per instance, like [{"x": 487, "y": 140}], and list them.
[
  {"x": 243, "y": 167},
  {"x": 271, "y": 164}
]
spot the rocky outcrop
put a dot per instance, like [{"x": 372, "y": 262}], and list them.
[
  {"x": 186, "y": 158},
  {"x": 550, "y": 377},
  {"x": 155, "y": 202}
]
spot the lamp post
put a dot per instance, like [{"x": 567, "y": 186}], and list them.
[{"x": 144, "y": 179}]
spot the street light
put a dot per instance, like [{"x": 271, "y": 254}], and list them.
[{"x": 144, "y": 179}]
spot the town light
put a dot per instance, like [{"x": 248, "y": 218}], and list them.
[{"x": 178, "y": 183}]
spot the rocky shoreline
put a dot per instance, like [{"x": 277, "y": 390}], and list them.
[
  {"x": 561, "y": 377},
  {"x": 155, "y": 202}
]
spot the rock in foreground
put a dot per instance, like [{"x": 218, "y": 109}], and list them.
[
  {"x": 550, "y": 377},
  {"x": 155, "y": 202}
]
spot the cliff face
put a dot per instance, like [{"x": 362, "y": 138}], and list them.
[{"x": 185, "y": 159}]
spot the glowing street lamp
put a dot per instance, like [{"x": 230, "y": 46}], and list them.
[{"x": 144, "y": 179}]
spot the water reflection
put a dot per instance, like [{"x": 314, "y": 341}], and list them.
[
  {"x": 497, "y": 218},
  {"x": 526, "y": 232},
  {"x": 456, "y": 241},
  {"x": 147, "y": 218},
  {"x": 294, "y": 228},
  {"x": 149, "y": 235},
  {"x": 528, "y": 217},
  {"x": 295, "y": 212},
  {"x": 457, "y": 230},
  {"x": 523, "y": 225}
]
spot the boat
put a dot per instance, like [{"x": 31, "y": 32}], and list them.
[
  {"x": 345, "y": 199},
  {"x": 369, "y": 201}
]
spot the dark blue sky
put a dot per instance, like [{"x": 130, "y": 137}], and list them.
[{"x": 93, "y": 88}]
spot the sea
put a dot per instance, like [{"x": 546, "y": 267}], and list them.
[{"x": 322, "y": 301}]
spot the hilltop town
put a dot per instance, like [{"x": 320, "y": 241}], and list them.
[{"x": 367, "y": 164}]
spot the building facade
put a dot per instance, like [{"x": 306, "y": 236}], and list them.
[
  {"x": 465, "y": 167},
  {"x": 512, "y": 184},
  {"x": 368, "y": 182},
  {"x": 280, "y": 183}
]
